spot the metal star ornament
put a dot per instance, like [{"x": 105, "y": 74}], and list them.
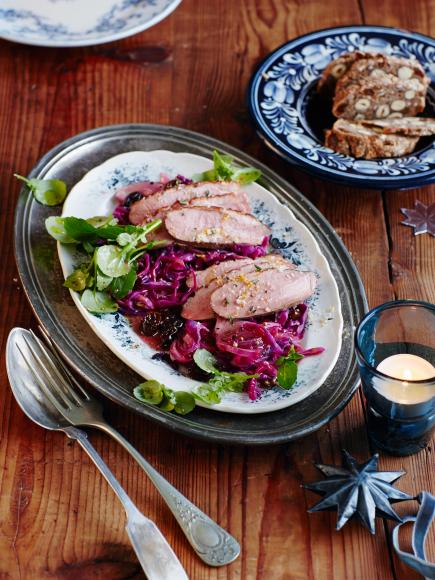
[
  {"x": 358, "y": 490},
  {"x": 421, "y": 218}
]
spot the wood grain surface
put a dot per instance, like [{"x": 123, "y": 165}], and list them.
[{"x": 58, "y": 518}]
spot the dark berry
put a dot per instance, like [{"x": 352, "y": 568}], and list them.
[
  {"x": 163, "y": 324},
  {"x": 132, "y": 198}
]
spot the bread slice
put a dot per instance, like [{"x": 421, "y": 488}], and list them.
[
  {"x": 411, "y": 126},
  {"x": 337, "y": 68},
  {"x": 382, "y": 66},
  {"x": 379, "y": 98},
  {"x": 362, "y": 142}
]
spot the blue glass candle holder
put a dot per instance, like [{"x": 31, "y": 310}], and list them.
[{"x": 395, "y": 347}]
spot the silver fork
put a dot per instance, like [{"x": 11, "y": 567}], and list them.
[{"x": 214, "y": 545}]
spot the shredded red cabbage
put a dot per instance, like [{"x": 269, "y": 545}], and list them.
[
  {"x": 252, "y": 346},
  {"x": 195, "y": 335},
  {"x": 162, "y": 274},
  {"x": 121, "y": 213}
]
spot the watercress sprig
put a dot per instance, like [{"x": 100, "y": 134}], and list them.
[
  {"x": 221, "y": 382},
  {"x": 288, "y": 369},
  {"x": 111, "y": 252},
  {"x": 154, "y": 393},
  {"x": 225, "y": 170},
  {"x": 46, "y": 191}
]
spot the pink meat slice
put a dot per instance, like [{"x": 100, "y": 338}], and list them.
[
  {"x": 236, "y": 202},
  {"x": 147, "y": 207},
  {"x": 204, "y": 277},
  {"x": 262, "y": 293},
  {"x": 198, "y": 306},
  {"x": 209, "y": 226}
]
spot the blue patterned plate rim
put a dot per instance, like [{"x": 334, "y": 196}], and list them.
[
  {"x": 112, "y": 25},
  {"x": 398, "y": 172}
]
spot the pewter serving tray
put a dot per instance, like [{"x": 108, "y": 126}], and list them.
[{"x": 42, "y": 279}]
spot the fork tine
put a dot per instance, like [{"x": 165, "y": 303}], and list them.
[
  {"x": 62, "y": 384},
  {"x": 38, "y": 362},
  {"x": 68, "y": 375},
  {"x": 56, "y": 404}
]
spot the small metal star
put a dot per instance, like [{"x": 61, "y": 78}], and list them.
[
  {"x": 422, "y": 218},
  {"x": 358, "y": 489}
]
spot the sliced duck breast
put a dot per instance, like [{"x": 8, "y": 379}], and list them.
[
  {"x": 235, "y": 201},
  {"x": 207, "y": 226},
  {"x": 204, "y": 277},
  {"x": 147, "y": 207},
  {"x": 198, "y": 306},
  {"x": 262, "y": 293}
]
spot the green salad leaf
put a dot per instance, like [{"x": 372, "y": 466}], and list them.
[
  {"x": 98, "y": 302},
  {"x": 121, "y": 286},
  {"x": 111, "y": 252},
  {"x": 56, "y": 228},
  {"x": 221, "y": 382},
  {"x": 288, "y": 369},
  {"x": 155, "y": 393},
  {"x": 45, "y": 191},
  {"x": 205, "y": 360},
  {"x": 224, "y": 169},
  {"x": 77, "y": 280},
  {"x": 111, "y": 260}
]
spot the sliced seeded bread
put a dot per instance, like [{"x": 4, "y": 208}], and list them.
[
  {"x": 358, "y": 141},
  {"x": 411, "y": 126},
  {"x": 336, "y": 69},
  {"x": 378, "y": 98},
  {"x": 382, "y": 66}
]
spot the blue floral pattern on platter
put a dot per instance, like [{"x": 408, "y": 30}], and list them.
[
  {"x": 93, "y": 195},
  {"x": 78, "y": 22},
  {"x": 278, "y": 93}
]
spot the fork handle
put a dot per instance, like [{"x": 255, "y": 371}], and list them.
[
  {"x": 155, "y": 555},
  {"x": 214, "y": 545}
]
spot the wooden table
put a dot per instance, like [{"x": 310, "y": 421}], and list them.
[{"x": 58, "y": 518}]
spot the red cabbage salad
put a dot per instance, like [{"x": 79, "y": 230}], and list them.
[{"x": 148, "y": 276}]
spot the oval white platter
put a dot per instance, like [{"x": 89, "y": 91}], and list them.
[
  {"x": 94, "y": 195},
  {"x": 78, "y": 22}
]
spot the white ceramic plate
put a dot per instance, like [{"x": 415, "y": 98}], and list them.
[
  {"x": 93, "y": 195},
  {"x": 78, "y": 22}
]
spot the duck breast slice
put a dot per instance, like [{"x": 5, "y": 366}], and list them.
[
  {"x": 198, "y": 306},
  {"x": 204, "y": 277},
  {"x": 235, "y": 201},
  {"x": 265, "y": 292},
  {"x": 145, "y": 209},
  {"x": 209, "y": 226}
]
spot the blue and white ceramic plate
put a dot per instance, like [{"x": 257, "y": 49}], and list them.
[
  {"x": 291, "y": 117},
  {"x": 78, "y": 22},
  {"x": 93, "y": 195}
]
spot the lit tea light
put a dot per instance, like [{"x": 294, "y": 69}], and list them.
[{"x": 406, "y": 368}]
